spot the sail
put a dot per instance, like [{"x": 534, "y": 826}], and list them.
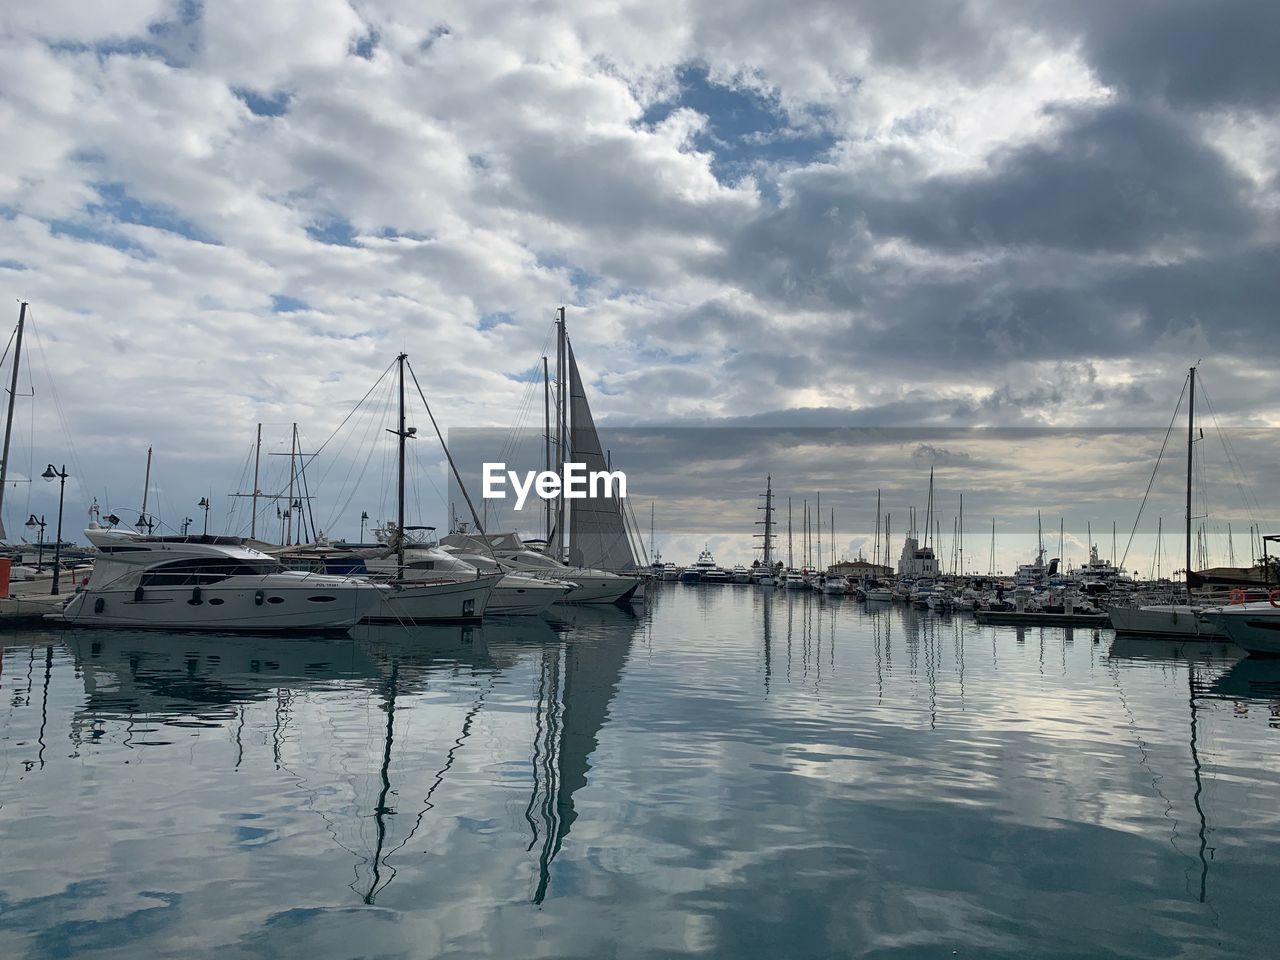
[{"x": 597, "y": 530}]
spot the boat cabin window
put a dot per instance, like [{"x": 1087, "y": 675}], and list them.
[
  {"x": 420, "y": 565},
  {"x": 189, "y": 573},
  {"x": 531, "y": 559}
]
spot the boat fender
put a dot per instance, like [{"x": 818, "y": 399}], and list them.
[
  {"x": 137, "y": 595},
  {"x": 1237, "y": 595},
  {"x": 196, "y": 598},
  {"x": 1274, "y": 597},
  {"x": 257, "y": 598},
  {"x": 99, "y": 605}
]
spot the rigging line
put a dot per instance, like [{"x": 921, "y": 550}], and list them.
[
  {"x": 13, "y": 333},
  {"x": 1136, "y": 520},
  {"x": 351, "y": 413},
  {"x": 529, "y": 398},
  {"x": 461, "y": 486},
  {"x": 1233, "y": 461},
  {"x": 74, "y": 457},
  {"x": 372, "y": 419}
]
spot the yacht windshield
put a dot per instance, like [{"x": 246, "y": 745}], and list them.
[
  {"x": 187, "y": 573},
  {"x": 529, "y": 558}
]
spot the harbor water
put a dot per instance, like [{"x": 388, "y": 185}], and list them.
[{"x": 727, "y": 772}]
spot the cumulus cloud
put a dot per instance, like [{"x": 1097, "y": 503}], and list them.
[{"x": 958, "y": 214}]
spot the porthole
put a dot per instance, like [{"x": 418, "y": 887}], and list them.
[
  {"x": 322, "y": 598},
  {"x": 275, "y": 599},
  {"x": 216, "y": 602}
]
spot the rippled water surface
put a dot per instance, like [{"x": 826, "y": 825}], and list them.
[{"x": 726, "y": 773}]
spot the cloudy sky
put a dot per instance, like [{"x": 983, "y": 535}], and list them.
[{"x": 938, "y": 215}]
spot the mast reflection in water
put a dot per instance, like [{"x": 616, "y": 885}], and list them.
[{"x": 728, "y": 772}]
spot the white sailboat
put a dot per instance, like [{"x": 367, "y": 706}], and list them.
[
  {"x": 1174, "y": 619},
  {"x": 589, "y": 585}
]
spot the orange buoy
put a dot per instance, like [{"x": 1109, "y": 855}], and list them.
[{"x": 6, "y": 566}]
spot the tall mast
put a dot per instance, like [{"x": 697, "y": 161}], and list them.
[
  {"x": 991, "y": 566},
  {"x": 960, "y": 528},
  {"x": 1191, "y": 418},
  {"x": 546, "y": 436},
  {"x": 818, "y": 514},
  {"x": 253, "y": 497},
  {"x": 13, "y": 395},
  {"x": 293, "y": 464},
  {"x": 790, "y": 551},
  {"x": 401, "y": 434},
  {"x": 562, "y": 424},
  {"x": 146, "y": 488},
  {"x": 875, "y": 551},
  {"x": 928, "y": 515},
  {"x": 768, "y": 521},
  {"x": 833, "y": 535},
  {"x": 887, "y": 518}
]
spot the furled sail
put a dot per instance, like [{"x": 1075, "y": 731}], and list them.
[{"x": 597, "y": 530}]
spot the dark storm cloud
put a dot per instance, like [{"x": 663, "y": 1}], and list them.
[
  {"x": 1193, "y": 54},
  {"x": 1117, "y": 179}
]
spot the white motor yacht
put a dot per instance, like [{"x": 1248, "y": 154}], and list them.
[
  {"x": 793, "y": 580},
  {"x": 834, "y": 585},
  {"x": 210, "y": 583},
  {"x": 1255, "y": 625},
  {"x": 704, "y": 570}
]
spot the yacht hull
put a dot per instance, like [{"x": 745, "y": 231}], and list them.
[
  {"x": 1173, "y": 620},
  {"x": 589, "y": 589},
  {"x": 521, "y": 598},
  {"x": 435, "y": 601},
  {"x": 1253, "y": 626},
  {"x": 254, "y": 604}
]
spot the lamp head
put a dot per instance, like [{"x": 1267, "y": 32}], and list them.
[
  {"x": 50, "y": 473},
  {"x": 32, "y": 522}
]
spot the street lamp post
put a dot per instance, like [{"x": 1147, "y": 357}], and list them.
[
  {"x": 186, "y": 525},
  {"x": 364, "y": 518},
  {"x": 61, "y": 476},
  {"x": 204, "y": 505},
  {"x": 32, "y": 523}
]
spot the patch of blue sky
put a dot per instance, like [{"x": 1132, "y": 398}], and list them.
[
  {"x": 490, "y": 320},
  {"x": 334, "y": 231},
  {"x": 118, "y": 204},
  {"x": 365, "y": 45},
  {"x": 263, "y": 104},
  {"x": 125, "y": 46},
  {"x": 533, "y": 374},
  {"x": 582, "y": 280},
  {"x": 95, "y": 231},
  {"x": 282, "y": 303},
  {"x": 746, "y": 131},
  {"x": 391, "y": 233}
]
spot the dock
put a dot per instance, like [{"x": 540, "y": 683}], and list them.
[
  {"x": 29, "y": 610},
  {"x": 1025, "y": 618}
]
